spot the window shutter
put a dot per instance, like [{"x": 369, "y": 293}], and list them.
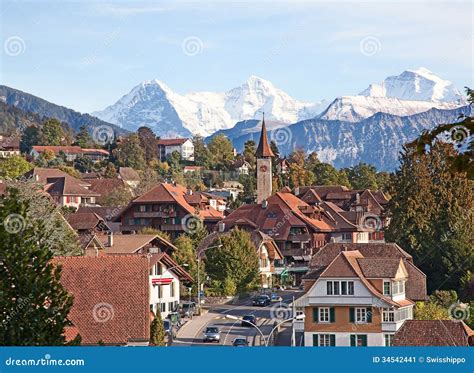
[
  {"x": 351, "y": 314},
  {"x": 353, "y": 340},
  {"x": 332, "y": 339},
  {"x": 364, "y": 340},
  {"x": 315, "y": 339},
  {"x": 369, "y": 314},
  {"x": 315, "y": 314},
  {"x": 332, "y": 315}
]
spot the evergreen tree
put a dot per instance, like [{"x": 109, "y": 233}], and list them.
[
  {"x": 222, "y": 151},
  {"x": 431, "y": 216},
  {"x": 157, "y": 331},
  {"x": 202, "y": 156},
  {"x": 299, "y": 173},
  {"x": 29, "y": 138},
  {"x": 52, "y": 133},
  {"x": 148, "y": 143},
  {"x": 326, "y": 174},
  {"x": 33, "y": 303},
  {"x": 129, "y": 153},
  {"x": 362, "y": 176},
  {"x": 84, "y": 139},
  {"x": 249, "y": 152}
]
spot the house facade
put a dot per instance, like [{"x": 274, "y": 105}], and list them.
[
  {"x": 184, "y": 147},
  {"x": 9, "y": 146},
  {"x": 71, "y": 152},
  {"x": 170, "y": 208},
  {"x": 359, "y": 297}
]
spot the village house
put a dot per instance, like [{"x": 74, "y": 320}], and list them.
[
  {"x": 170, "y": 208},
  {"x": 358, "y": 295},
  {"x": 184, "y": 147},
  {"x": 129, "y": 176},
  {"x": 9, "y": 146},
  {"x": 64, "y": 189},
  {"x": 71, "y": 152}
]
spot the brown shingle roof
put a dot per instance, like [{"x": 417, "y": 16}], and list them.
[
  {"x": 41, "y": 175},
  {"x": 67, "y": 185},
  {"x": 104, "y": 187},
  {"x": 171, "y": 142},
  {"x": 111, "y": 297},
  {"x": 132, "y": 243},
  {"x": 84, "y": 220},
  {"x": 433, "y": 333},
  {"x": 379, "y": 267},
  {"x": 128, "y": 174},
  {"x": 263, "y": 149}
]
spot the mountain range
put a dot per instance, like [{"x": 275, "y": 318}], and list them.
[{"x": 169, "y": 114}]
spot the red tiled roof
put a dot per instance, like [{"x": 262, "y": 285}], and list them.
[
  {"x": 111, "y": 297},
  {"x": 67, "y": 185},
  {"x": 433, "y": 333},
  {"x": 171, "y": 142},
  {"x": 95, "y": 151},
  {"x": 42, "y": 174},
  {"x": 57, "y": 149}
]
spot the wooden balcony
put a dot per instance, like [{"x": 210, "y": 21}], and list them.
[
  {"x": 154, "y": 214},
  {"x": 303, "y": 237}
]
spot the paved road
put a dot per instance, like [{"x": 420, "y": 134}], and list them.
[{"x": 191, "y": 333}]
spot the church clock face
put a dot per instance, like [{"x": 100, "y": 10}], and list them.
[{"x": 263, "y": 168}]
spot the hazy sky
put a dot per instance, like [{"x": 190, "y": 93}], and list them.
[{"x": 87, "y": 54}]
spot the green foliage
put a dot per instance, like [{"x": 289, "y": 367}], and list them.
[
  {"x": 326, "y": 174},
  {"x": 13, "y": 167},
  {"x": 52, "y": 133},
  {"x": 84, "y": 139},
  {"x": 129, "y": 153},
  {"x": 157, "y": 331},
  {"x": 222, "y": 152},
  {"x": 202, "y": 156},
  {"x": 110, "y": 172},
  {"x": 430, "y": 311},
  {"x": 362, "y": 176},
  {"x": 29, "y": 138},
  {"x": 431, "y": 216},
  {"x": 83, "y": 164},
  {"x": 148, "y": 143},
  {"x": 250, "y": 147},
  {"x": 300, "y": 175},
  {"x": 151, "y": 230},
  {"x": 235, "y": 260},
  {"x": 29, "y": 281},
  {"x": 118, "y": 197},
  {"x": 229, "y": 287},
  {"x": 148, "y": 179},
  {"x": 444, "y": 298},
  {"x": 70, "y": 171}
]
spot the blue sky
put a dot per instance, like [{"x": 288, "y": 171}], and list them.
[{"x": 87, "y": 54}]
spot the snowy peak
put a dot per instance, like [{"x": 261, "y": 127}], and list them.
[{"x": 415, "y": 85}]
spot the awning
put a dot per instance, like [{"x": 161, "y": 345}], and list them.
[{"x": 161, "y": 281}]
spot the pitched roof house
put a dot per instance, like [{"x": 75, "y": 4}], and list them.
[
  {"x": 71, "y": 152},
  {"x": 183, "y": 146},
  {"x": 111, "y": 298},
  {"x": 170, "y": 208}
]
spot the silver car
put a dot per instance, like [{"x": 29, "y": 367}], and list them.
[{"x": 212, "y": 334}]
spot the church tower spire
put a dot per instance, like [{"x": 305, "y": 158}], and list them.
[{"x": 264, "y": 156}]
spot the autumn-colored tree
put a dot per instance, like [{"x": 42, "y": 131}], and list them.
[
  {"x": 13, "y": 167},
  {"x": 148, "y": 142}
]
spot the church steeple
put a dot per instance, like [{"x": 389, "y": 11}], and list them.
[
  {"x": 263, "y": 149},
  {"x": 264, "y": 166}
]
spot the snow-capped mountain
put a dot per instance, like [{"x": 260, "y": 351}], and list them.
[
  {"x": 411, "y": 92},
  {"x": 155, "y": 105},
  {"x": 416, "y": 85}
]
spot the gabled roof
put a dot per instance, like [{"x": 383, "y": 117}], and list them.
[
  {"x": 171, "y": 142},
  {"x": 132, "y": 243},
  {"x": 85, "y": 220},
  {"x": 111, "y": 297},
  {"x": 104, "y": 187},
  {"x": 416, "y": 284},
  {"x": 171, "y": 265},
  {"x": 380, "y": 267},
  {"x": 263, "y": 149},
  {"x": 67, "y": 186},
  {"x": 41, "y": 175},
  {"x": 433, "y": 333}
]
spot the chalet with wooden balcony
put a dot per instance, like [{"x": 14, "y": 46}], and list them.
[
  {"x": 170, "y": 208},
  {"x": 358, "y": 295}
]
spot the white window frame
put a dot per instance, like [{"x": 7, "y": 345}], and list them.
[
  {"x": 324, "y": 315},
  {"x": 388, "y": 338},
  {"x": 361, "y": 315},
  {"x": 324, "y": 340},
  {"x": 388, "y": 315}
]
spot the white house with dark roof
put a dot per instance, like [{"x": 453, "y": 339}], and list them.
[{"x": 183, "y": 146}]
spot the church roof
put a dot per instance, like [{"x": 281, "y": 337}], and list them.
[{"x": 263, "y": 149}]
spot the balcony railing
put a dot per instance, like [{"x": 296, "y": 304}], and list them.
[
  {"x": 303, "y": 237},
  {"x": 154, "y": 214}
]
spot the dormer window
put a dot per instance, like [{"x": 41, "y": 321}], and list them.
[{"x": 398, "y": 287}]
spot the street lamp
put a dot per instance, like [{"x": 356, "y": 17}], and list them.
[
  {"x": 266, "y": 340},
  {"x": 198, "y": 272},
  {"x": 236, "y": 318}
]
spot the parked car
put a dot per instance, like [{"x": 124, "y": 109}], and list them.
[
  {"x": 240, "y": 342},
  {"x": 276, "y": 298},
  {"x": 249, "y": 320},
  {"x": 261, "y": 301},
  {"x": 170, "y": 330},
  {"x": 212, "y": 334},
  {"x": 187, "y": 309}
]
